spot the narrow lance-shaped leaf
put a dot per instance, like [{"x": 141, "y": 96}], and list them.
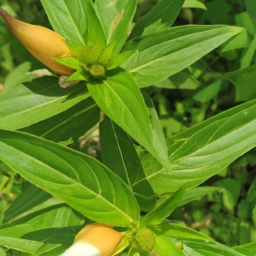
[
  {"x": 76, "y": 21},
  {"x": 77, "y": 179},
  {"x": 163, "y": 210},
  {"x": 119, "y": 155},
  {"x": 120, "y": 98},
  {"x": 38, "y": 100},
  {"x": 203, "y": 150},
  {"x": 164, "y": 14},
  {"x": 116, "y": 18},
  {"x": 169, "y": 51}
]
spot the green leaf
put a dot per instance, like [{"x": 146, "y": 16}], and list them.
[
  {"x": 76, "y": 21},
  {"x": 117, "y": 61},
  {"x": 206, "y": 248},
  {"x": 209, "y": 92},
  {"x": 200, "y": 152},
  {"x": 231, "y": 192},
  {"x": 196, "y": 193},
  {"x": 166, "y": 247},
  {"x": 163, "y": 210},
  {"x": 165, "y": 11},
  {"x": 69, "y": 125},
  {"x": 64, "y": 235},
  {"x": 1, "y": 212},
  {"x": 157, "y": 131},
  {"x": 248, "y": 56},
  {"x": 2, "y": 253},
  {"x": 120, "y": 98},
  {"x": 251, "y": 8},
  {"x": 177, "y": 231},
  {"x": 77, "y": 179},
  {"x": 56, "y": 216},
  {"x": 17, "y": 76},
  {"x": 247, "y": 249},
  {"x": 181, "y": 80},
  {"x": 116, "y": 18},
  {"x": 168, "y": 52},
  {"x": 70, "y": 62},
  {"x": 119, "y": 155},
  {"x": 20, "y": 244},
  {"x": 194, "y": 4},
  {"x": 30, "y": 198},
  {"x": 50, "y": 250},
  {"x": 38, "y": 100},
  {"x": 251, "y": 194}
]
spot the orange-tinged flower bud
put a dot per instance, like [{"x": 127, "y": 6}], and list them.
[
  {"x": 43, "y": 43},
  {"x": 95, "y": 240}
]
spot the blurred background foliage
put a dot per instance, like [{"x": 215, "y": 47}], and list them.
[{"x": 221, "y": 80}]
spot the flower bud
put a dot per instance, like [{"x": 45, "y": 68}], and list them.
[
  {"x": 43, "y": 43},
  {"x": 95, "y": 240}
]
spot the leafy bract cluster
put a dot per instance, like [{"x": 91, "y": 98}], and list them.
[{"x": 114, "y": 60}]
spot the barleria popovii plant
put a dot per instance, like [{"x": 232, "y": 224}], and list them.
[{"x": 134, "y": 188}]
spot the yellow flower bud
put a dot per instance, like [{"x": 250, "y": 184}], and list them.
[
  {"x": 95, "y": 240},
  {"x": 43, "y": 43}
]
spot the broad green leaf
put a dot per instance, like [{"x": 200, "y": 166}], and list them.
[
  {"x": 247, "y": 249},
  {"x": 163, "y": 210},
  {"x": 166, "y": 247},
  {"x": 177, "y": 231},
  {"x": 119, "y": 155},
  {"x": 69, "y": 125},
  {"x": 76, "y": 21},
  {"x": 20, "y": 244},
  {"x": 164, "y": 13},
  {"x": 40, "y": 99},
  {"x": 165, "y": 53},
  {"x": 77, "y": 179},
  {"x": 116, "y": 18},
  {"x": 31, "y": 197},
  {"x": 194, "y": 4},
  {"x": 206, "y": 247},
  {"x": 120, "y": 98},
  {"x": 196, "y": 193},
  {"x": 251, "y": 8},
  {"x": 200, "y": 152},
  {"x": 181, "y": 80}
]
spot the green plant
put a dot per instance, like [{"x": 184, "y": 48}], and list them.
[{"x": 137, "y": 184}]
